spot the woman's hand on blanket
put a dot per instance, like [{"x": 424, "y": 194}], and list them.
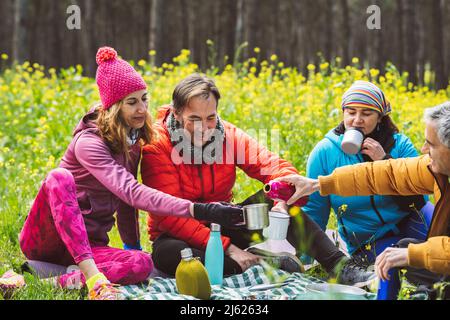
[
  {"x": 303, "y": 186},
  {"x": 225, "y": 214},
  {"x": 243, "y": 258},
  {"x": 390, "y": 258}
]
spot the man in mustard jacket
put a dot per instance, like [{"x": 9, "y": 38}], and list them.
[{"x": 429, "y": 261}]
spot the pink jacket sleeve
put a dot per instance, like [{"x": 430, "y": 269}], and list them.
[{"x": 96, "y": 157}]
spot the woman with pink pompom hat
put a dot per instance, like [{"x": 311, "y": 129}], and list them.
[{"x": 74, "y": 210}]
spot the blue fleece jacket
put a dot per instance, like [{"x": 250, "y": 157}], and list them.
[{"x": 359, "y": 224}]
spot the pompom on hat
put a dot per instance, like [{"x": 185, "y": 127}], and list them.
[
  {"x": 115, "y": 77},
  {"x": 364, "y": 94}
]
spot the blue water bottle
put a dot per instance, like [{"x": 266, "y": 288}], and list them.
[
  {"x": 214, "y": 256},
  {"x": 388, "y": 290}
]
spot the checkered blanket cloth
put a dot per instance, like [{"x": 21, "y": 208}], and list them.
[{"x": 237, "y": 287}]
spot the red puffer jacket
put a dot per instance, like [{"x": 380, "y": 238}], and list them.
[{"x": 203, "y": 182}]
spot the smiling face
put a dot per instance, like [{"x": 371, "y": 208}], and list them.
[
  {"x": 199, "y": 119},
  {"x": 439, "y": 153},
  {"x": 134, "y": 109},
  {"x": 364, "y": 119}
]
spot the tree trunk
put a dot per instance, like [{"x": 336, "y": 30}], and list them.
[
  {"x": 229, "y": 26},
  {"x": 400, "y": 34},
  {"x": 185, "y": 31},
  {"x": 6, "y": 25},
  {"x": 346, "y": 31},
  {"x": 296, "y": 32},
  {"x": 240, "y": 20},
  {"x": 422, "y": 40},
  {"x": 156, "y": 15},
  {"x": 447, "y": 38},
  {"x": 379, "y": 58},
  {"x": 438, "y": 45},
  {"x": 276, "y": 36},
  {"x": 329, "y": 29},
  {"x": 36, "y": 28},
  {"x": 251, "y": 26},
  {"x": 55, "y": 20},
  {"x": 410, "y": 57},
  {"x": 20, "y": 33},
  {"x": 87, "y": 29}
]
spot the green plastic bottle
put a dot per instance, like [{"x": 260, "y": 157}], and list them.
[{"x": 191, "y": 276}]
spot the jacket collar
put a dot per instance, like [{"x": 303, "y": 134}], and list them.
[{"x": 441, "y": 180}]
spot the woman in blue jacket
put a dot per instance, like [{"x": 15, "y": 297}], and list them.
[{"x": 367, "y": 224}]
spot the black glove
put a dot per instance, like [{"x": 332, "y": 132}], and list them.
[{"x": 225, "y": 214}]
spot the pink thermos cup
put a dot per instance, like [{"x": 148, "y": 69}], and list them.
[{"x": 281, "y": 191}]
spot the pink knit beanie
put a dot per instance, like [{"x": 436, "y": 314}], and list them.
[{"x": 116, "y": 78}]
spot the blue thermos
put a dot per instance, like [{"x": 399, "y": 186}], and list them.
[
  {"x": 214, "y": 256},
  {"x": 388, "y": 290}
]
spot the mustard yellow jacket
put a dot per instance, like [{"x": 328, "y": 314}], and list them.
[{"x": 406, "y": 176}]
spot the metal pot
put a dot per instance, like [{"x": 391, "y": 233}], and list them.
[{"x": 256, "y": 216}]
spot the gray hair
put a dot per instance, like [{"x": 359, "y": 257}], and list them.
[{"x": 440, "y": 115}]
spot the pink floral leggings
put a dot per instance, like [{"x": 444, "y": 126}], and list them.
[{"x": 55, "y": 232}]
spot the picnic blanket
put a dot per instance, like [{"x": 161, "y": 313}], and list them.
[{"x": 237, "y": 287}]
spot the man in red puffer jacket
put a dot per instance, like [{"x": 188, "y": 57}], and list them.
[{"x": 195, "y": 158}]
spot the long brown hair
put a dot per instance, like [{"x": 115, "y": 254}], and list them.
[{"x": 114, "y": 130}]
